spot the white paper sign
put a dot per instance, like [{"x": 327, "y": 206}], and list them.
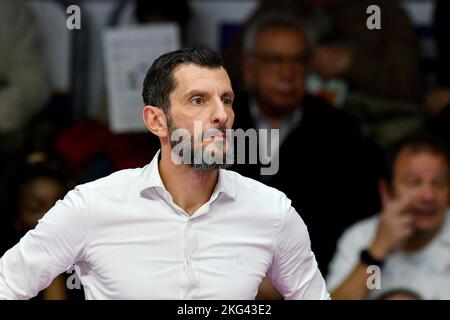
[{"x": 129, "y": 53}]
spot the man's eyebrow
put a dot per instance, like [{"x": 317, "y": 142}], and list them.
[
  {"x": 441, "y": 175},
  {"x": 194, "y": 92},
  {"x": 197, "y": 92},
  {"x": 415, "y": 174},
  {"x": 229, "y": 94},
  {"x": 411, "y": 173}
]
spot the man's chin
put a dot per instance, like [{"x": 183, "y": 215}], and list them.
[
  {"x": 427, "y": 222},
  {"x": 425, "y": 225},
  {"x": 211, "y": 158},
  {"x": 283, "y": 107}
]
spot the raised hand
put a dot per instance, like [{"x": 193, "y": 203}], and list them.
[{"x": 396, "y": 225}]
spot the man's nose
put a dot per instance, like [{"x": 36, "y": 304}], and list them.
[
  {"x": 427, "y": 193},
  {"x": 287, "y": 70},
  {"x": 220, "y": 115}
]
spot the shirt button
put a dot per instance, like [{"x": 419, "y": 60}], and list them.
[{"x": 187, "y": 264}]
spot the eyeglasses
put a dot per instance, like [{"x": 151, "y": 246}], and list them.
[{"x": 276, "y": 61}]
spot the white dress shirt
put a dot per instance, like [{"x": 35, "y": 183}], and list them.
[
  {"x": 129, "y": 240},
  {"x": 426, "y": 272}
]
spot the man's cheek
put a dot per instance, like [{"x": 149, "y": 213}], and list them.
[{"x": 231, "y": 121}]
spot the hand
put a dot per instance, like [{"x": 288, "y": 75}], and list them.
[
  {"x": 437, "y": 100},
  {"x": 331, "y": 61},
  {"x": 396, "y": 225}
]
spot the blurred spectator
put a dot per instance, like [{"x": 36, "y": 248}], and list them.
[
  {"x": 322, "y": 163},
  {"x": 313, "y": 19},
  {"x": 382, "y": 63},
  {"x": 382, "y": 68},
  {"x": 34, "y": 187},
  {"x": 410, "y": 239},
  {"x": 24, "y": 84},
  {"x": 399, "y": 294},
  {"x": 374, "y": 75}
]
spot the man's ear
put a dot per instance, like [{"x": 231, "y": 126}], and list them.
[
  {"x": 155, "y": 120},
  {"x": 248, "y": 71},
  {"x": 384, "y": 190}
]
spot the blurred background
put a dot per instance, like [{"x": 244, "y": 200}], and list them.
[{"x": 70, "y": 85}]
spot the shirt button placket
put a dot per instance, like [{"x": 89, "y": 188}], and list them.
[{"x": 187, "y": 256}]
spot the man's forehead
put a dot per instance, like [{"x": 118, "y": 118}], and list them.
[
  {"x": 285, "y": 43},
  {"x": 188, "y": 75},
  {"x": 277, "y": 32},
  {"x": 408, "y": 158},
  {"x": 189, "y": 69}
]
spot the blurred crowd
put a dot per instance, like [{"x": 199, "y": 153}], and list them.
[{"x": 363, "y": 135}]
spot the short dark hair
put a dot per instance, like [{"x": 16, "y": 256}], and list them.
[
  {"x": 273, "y": 19},
  {"x": 416, "y": 143},
  {"x": 159, "y": 81}
]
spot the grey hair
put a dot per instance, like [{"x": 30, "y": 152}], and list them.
[{"x": 275, "y": 19}]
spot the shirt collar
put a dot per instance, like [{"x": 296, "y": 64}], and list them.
[
  {"x": 226, "y": 184},
  {"x": 152, "y": 180},
  {"x": 151, "y": 177}
]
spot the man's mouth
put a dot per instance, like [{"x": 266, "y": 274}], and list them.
[
  {"x": 218, "y": 137},
  {"x": 213, "y": 136},
  {"x": 286, "y": 91},
  {"x": 425, "y": 212}
]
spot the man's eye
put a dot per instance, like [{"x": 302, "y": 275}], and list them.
[
  {"x": 413, "y": 182},
  {"x": 228, "y": 101},
  {"x": 440, "y": 184},
  {"x": 197, "y": 101},
  {"x": 273, "y": 60},
  {"x": 300, "y": 62}
]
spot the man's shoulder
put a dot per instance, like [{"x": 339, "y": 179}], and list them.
[
  {"x": 444, "y": 233},
  {"x": 361, "y": 231},
  {"x": 252, "y": 190},
  {"x": 317, "y": 109},
  {"x": 118, "y": 179}
]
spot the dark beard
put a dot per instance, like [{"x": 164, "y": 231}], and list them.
[{"x": 196, "y": 157}]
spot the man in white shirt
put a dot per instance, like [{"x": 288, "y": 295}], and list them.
[
  {"x": 172, "y": 231},
  {"x": 409, "y": 241}
]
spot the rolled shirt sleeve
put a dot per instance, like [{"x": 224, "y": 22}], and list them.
[
  {"x": 294, "y": 271},
  {"x": 57, "y": 242}
]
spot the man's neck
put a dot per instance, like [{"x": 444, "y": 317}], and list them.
[
  {"x": 190, "y": 188},
  {"x": 274, "y": 119}
]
